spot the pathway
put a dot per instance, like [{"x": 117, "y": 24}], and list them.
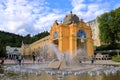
[{"x": 101, "y": 62}]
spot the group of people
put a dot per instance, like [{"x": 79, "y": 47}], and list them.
[
  {"x": 92, "y": 59},
  {"x": 19, "y": 59},
  {"x": 37, "y": 58}
]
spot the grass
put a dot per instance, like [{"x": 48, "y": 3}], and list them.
[{"x": 116, "y": 58}]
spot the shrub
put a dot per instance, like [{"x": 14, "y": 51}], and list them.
[
  {"x": 108, "y": 47},
  {"x": 116, "y": 58}
]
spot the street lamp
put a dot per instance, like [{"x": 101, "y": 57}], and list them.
[
  {"x": 117, "y": 52},
  {"x": 82, "y": 39}
]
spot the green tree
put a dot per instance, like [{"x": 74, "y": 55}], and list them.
[
  {"x": 10, "y": 39},
  {"x": 27, "y": 39},
  {"x": 109, "y": 25},
  {"x": 40, "y": 35},
  {"x": 2, "y": 50}
]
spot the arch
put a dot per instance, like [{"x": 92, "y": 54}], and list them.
[
  {"x": 55, "y": 35},
  {"x": 81, "y": 40},
  {"x": 81, "y": 34}
]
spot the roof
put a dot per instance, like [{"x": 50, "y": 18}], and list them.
[{"x": 71, "y": 18}]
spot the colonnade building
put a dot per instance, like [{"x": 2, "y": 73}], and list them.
[{"x": 69, "y": 36}]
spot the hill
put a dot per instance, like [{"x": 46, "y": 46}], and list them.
[{"x": 15, "y": 40}]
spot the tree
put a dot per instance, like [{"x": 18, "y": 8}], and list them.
[
  {"x": 2, "y": 50},
  {"x": 109, "y": 25},
  {"x": 10, "y": 39},
  {"x": 27, "y": 39}
]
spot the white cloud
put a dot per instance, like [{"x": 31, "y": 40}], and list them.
[
  {"x": 78, "y": 5},
  {"x": 24, "y": 16},
  {"x": 88, "y": 11},
  {"x": 93, "y": 7},
  {"x": 17, "y": 13},
  {"x": 33, "y": 16},
  {"x": 76, "y": 2},
  {"x": 47, "y": 20},
  {"x": 10, "y": 26},
  {"x": 21, "y": 31}
]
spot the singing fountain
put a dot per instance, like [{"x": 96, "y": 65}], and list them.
[
  {"x": 71, "y": 44},
  {"x": 62, "y": 67},
  {"x": 65, "y": 61}
]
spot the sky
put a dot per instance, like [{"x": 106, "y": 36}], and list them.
[{"x": 35, "y": 16}]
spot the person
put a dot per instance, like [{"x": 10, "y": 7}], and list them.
[
  {"x": 33, "y": 56},
  {"x": 23, "y": 59},
  {"x": 19, "y": 59},
  {"x": 92, "y": 59},
  {"x": 2, "y": 61},
  {"x": 38, "y": 59}
]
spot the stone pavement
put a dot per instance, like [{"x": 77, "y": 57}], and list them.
[
  {"x": 99, "y": 62},
  {"x": 15, "y": 61},
  {"x": 103, "y": 62}
]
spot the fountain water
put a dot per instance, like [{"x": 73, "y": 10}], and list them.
[
  {"x": 64, "y": 60},
  {"x": 65, "y": 65},
  {"x": 60, "y": 61}
]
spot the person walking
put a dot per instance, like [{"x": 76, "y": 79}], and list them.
[
  {"x": 38, "y": 58},
  {"x": 92, "y": 59},
  {"x": 19, "y": 59},
  {"x": 2, "y": 61},
  {"x": 33, "y": 56}
]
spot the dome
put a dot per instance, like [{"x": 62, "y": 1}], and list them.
[{"x": 71, "y": 18}]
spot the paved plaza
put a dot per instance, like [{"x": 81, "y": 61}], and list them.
[
  {"x": 104, "y": 62},
  {"x": 99, "y": 62}
]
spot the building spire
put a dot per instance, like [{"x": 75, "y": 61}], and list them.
[
  {"x": 56, "y": 22},
  {"x": 71, "y": 12},
  {"x": 22, "y": 42}
]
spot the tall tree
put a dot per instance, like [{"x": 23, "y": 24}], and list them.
[
  {"x": 2, "y": 50},
  {"x": 109, "y": 25},
  {"x": 27, "y": 39}
]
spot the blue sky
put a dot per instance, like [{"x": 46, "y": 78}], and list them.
[{"x": 34, "y": 16}]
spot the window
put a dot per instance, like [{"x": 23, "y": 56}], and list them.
[
  {"x": 55, "y": 35},
  {"x": 81, "y": 34}
]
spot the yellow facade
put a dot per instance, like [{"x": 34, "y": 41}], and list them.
[
  {"x": 27, "y": 50},
  {"x": 66, "y": 36}
]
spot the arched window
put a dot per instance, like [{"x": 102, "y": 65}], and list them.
[
  {"x": 81, "y": 34},
  {"x": 55, "y": 35}
]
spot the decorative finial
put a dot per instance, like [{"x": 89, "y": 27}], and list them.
[
  {"x": 71, "y": 12},
  {"x": 60, "y": 21},
  {"x": 22, "y": 42},
  {"x": 56, "y": 22},
  {"x": 81, "y": 20}
]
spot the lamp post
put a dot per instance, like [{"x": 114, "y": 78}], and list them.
[
  {"x": 82, "y": 39},
  {"x": 117, "y": 52}
]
